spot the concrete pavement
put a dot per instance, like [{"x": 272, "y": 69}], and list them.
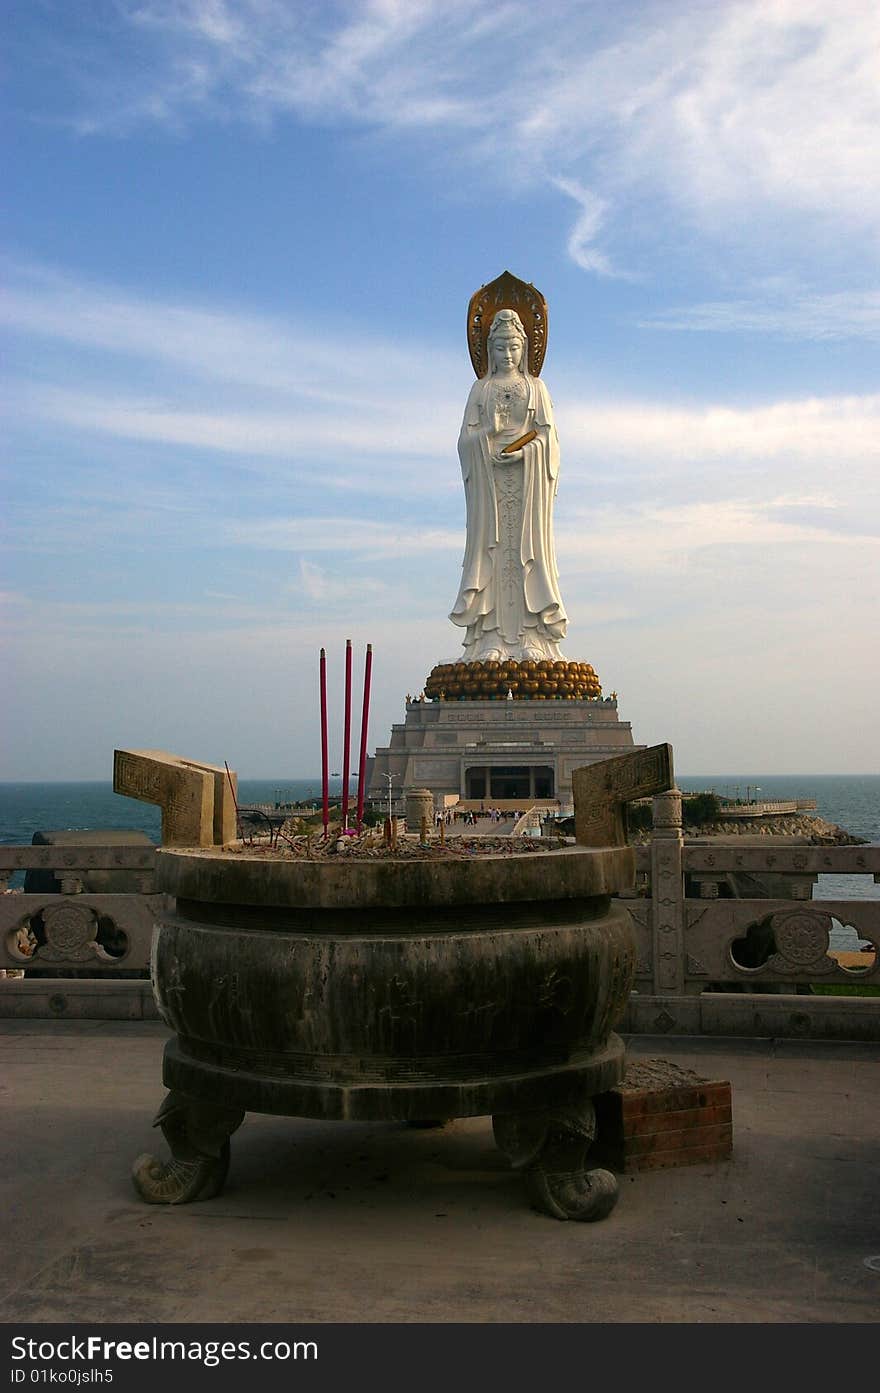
[{"x": 384, "y": 1223}]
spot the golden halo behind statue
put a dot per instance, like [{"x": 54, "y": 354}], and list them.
[{"x": 507, "y": 293}]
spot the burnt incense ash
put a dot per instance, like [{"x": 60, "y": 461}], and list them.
[{"x": 371, "y": 846}]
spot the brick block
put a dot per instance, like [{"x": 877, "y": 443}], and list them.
[
  {"x": 661, "y": 1115},
  {"x": 690, "y": 1156}
]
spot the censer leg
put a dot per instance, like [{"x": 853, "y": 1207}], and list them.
[
  {"x": 198, "y": 1138},
  {"x": 550, "y": 1148}
]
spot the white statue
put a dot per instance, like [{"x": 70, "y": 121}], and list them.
[{"x": 509, "y": 601}]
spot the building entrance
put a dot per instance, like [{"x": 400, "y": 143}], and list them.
[{"x": 522, "y": 782}]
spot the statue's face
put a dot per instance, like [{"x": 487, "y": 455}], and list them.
[{"x": 507, "y": 351}]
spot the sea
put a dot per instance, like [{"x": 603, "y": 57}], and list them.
[
  {"x": 850, "y": 800},
  {"x": 26, "y": 808}
]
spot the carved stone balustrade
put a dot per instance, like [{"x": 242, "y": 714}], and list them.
[
  {"x": 81, "y": 953},
  {"x": 739, "y": 966},
  {"x": 714, "y": 962}
]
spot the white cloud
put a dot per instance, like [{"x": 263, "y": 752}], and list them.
[
  {"x": 320, "y": 363},
  {"x": 291, "y": 390},
  {"x": 731, "y": 110},
  {"x": 359, "y": 539},
  {"x": 785, "y": 107},
  {"x": 374, "y": 447},
  {"x": 324, "y": 588},
  {"x": 846, "y": 314},
  {"x": 685, "y": 536},
  {"x": 298, "y": 395},
  {"x": 586, "y": 228},
  {"x": 753, "y": 120},
  {"x": 734, "y": 502},
  {"x": 727, "y": 445},
  {"x": 738, "y": 134},
  {"x": 257, "y": 59},
  {"x": 282, "y": 433},
  {"x": 829, "y": 429}
]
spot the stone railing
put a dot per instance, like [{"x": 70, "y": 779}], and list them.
[
  {"x": 777, "y": 808},
  {"x": 763, "y": 809},
  {"x": 730, "y": 941},
  {"x": 530, "y": 824},
  {"x": 84, "y": 951},
  {"x": 709, "y": 961}
]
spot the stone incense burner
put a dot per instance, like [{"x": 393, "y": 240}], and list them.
[{"x": 391, "y": 989}]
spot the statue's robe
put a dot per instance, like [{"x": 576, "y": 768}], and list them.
[{"x": 480, "y": 604}]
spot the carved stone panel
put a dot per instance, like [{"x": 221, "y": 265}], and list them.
[
  {"x": 98, "y": 932},
  {"x": 601, "y": 790},
  {"x": 802, "y": 940},
  {"x": 71, "y": 933}
]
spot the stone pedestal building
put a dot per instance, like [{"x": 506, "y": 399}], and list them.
[{"x": 498, "y": 752}]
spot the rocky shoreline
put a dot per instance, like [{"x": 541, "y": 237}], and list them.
[{"x": 817, "y": 831}]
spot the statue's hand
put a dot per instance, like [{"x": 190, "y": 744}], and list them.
[{"x": 502, "y": 458}]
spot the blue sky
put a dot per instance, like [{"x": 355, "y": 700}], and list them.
[{"x": 239, "y": 243}]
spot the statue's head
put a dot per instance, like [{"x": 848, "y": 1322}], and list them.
[{"x": 507, "y": 342}]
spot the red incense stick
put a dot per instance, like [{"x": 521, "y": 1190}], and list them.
[
  {"x": 365, "y": 716},
  {"x": 346, "y": 752},
  {"x": 325, "y": 787}
]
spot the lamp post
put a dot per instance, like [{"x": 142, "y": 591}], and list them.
[{"x": 390, "y": 837}]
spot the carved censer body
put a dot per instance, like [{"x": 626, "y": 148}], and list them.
[{"x": 393, "y": 990}]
